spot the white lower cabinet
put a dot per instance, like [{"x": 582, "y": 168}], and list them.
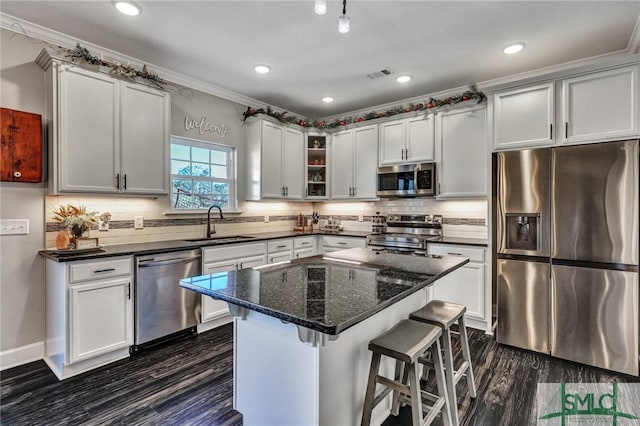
[
  {"x": 330, "y": 243},
  {"x": 89, "y": 314},
  {"x": 304, "y": 247},
  {"x": 222, "y": 259},
  {"x": 100, "y": 318},
  {"x": 466, "y": 285},
  {"x": 280, "y": 250}
]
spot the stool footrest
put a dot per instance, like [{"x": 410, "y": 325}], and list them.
[
  {"x": 393, "y": 385},
  {"x": 433, "y": 409},
  {"x": 461, "y": 372}
]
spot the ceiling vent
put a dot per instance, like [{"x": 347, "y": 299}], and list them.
[{"x": 378, "y": 74}]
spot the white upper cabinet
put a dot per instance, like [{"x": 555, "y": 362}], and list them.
[
  {"x": 144, "y": 122},
  {"x": 596, "y": 107},
  {"x": 409, "y": 140},
  {"x": 524, "y": 117},
  {"x": 354, "y": 163},
  {"x": 462, "y": 169},
  {"x": 275, "y": 166},
  {"x": 109, "y": 136},
  {"x": 600, "y": 106},
  {"x": 87, "y": 126}
]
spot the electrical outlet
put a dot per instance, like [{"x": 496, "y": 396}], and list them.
[
  {"x": 266, "y": 218},
  {"x": 138, "y": 222},
  {"x": 103, "y": 226},
  {"x": 360, "y": 217}
]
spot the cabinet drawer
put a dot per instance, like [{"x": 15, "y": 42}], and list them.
[
  {"x": 114, "y": 267},
  {"x": 303, "y": 242},
  {"x": 232, "y": 251},
  {"x": 279, "y": 245},
  {"x": 475, "y": 254},
  {"x": 342, "y": 242}
]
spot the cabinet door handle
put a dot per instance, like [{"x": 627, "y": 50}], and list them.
[
  {"x": 566, "y": 130},
  {"x": 125, "y": 181},
  {"x": 402, "y": 154},
  {"x": 342, "y": 243},
  {"x": 455, "y": 254},
  {"x": 118, "y": 181},
  {"x": 304, "y": 243},
  {"x": 286, "y": 191},
  {"x": 297, "y": 255},
  {"x": 354, "y": 191},
  {"x": 281, "y": 246},
  {"x": 271, "y": 261},
  {"x": 551, "y": 131},
  {"x": 406, "y": 153},
  {"x": 282, "y": 191},
  {"x": 129, "y": 290},
  {"x": 438, "y": 188},
  {"x": 102, "y": 271},
  {"x": 241, "y": 267}
]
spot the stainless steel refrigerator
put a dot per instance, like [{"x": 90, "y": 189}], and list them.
[{"x": 566, "y": 222}]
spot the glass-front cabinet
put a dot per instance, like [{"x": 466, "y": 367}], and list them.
[{"x": 316, "y": 167}]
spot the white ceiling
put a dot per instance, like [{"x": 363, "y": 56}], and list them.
[{"x": 442, "y": 44}]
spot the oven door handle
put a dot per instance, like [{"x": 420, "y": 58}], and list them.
[{"x": 415, "y": 179}]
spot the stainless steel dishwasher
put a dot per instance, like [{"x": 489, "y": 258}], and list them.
[{"x": 162, "y": 307}]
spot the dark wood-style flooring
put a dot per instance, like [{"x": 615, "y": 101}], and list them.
[{"x": 189, "y": 382}]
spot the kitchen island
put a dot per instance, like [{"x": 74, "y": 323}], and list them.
[{"x": 302, "y": 328}]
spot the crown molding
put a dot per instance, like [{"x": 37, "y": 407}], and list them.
[{"x": 56, "y": 38}]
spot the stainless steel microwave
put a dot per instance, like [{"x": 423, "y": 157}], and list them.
[{"x": 407, "y": 180}]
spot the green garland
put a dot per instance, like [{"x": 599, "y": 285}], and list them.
[
  {"x": 119, "y": 70},
  {"x": 472, "y": 94}
]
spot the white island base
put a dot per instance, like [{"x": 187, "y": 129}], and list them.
[{"x": 280, "y": 380}]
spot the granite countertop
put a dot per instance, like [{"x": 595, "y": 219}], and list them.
[
  {"x": 327, "y": 293},
  {"x": 158, "y": 247}
]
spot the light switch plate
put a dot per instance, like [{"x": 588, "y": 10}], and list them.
[
  {"x": 14, "y": 226},
  {"x": 138, "y": 222},
  {"x": 266, "y": 218},
  {"x": 103, "y": 226},
  {"x": 361, "y": 218}
]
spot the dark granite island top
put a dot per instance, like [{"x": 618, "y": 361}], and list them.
[{"x": 326, "y": 293}]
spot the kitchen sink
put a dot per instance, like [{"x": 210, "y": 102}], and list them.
[{"x": 219, "y": 240}]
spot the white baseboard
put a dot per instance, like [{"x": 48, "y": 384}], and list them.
[{"x": 22, "y": 355}]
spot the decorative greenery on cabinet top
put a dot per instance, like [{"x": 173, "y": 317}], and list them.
[{"x": 473, "y": 94}]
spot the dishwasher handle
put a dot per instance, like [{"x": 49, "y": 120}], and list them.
[{"x": 150, "y": 263}]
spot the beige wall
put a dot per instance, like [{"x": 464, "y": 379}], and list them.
[{"x": 21, "y": 269}]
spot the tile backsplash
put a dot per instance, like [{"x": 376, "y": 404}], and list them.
[{"x": 462, "y": 218}]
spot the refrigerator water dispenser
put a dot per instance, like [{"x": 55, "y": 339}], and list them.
[{"x": 523, "y": 231}]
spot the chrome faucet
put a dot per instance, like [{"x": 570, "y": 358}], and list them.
[{"x": 209, "y": 230}]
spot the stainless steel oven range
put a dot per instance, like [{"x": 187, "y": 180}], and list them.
[{"x": 408, "y": 233}]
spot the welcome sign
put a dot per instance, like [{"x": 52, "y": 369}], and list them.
[
  {"x": 566, "y": 404},
  {"x": 204, "y": 125}
]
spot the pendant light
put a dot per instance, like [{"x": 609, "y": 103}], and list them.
[
  {"x": 343, "y": 20},
  {"x": 320, "y": 7}
]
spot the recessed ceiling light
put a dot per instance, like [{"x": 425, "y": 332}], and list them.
[
  {"x": 328, "y": 99},
  {"x": 513, "y": 48},
  {"x": 127, "y": 7},
  {"x": 262, "y": 69},
  {"x": 403, "y": 78}
]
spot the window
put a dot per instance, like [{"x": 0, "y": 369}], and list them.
[{"x": 202, "y": 173}]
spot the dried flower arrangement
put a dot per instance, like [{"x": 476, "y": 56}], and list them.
[{"x": 77, "y": 219}]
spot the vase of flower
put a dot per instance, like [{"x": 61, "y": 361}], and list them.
[{"x": 77, "y": 220}]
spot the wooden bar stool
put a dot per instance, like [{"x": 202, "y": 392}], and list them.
[
  {"x": 406, "y": 342},
  {"x": 444, "y": 315}
]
